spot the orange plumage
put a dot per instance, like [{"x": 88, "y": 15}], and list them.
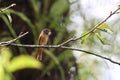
[{"x": 43, "y": 39}]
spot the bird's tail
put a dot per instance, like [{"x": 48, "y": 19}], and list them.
[{"x": 39, "y": 55}]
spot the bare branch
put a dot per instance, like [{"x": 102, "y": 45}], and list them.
[
  {"x": 12, "y": 41},
  {"x": 92, "y": 30},
  {"x": 35, "y": 46},
  {"x": 69, "y": 40},
  {"x": 100, "y": 56},
  {"x": 67, "y": 48}
]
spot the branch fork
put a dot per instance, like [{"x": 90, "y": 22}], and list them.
[{"x": 11, "y": 42}]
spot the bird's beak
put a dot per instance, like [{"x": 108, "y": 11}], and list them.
[{"x": 49, "y": 33}]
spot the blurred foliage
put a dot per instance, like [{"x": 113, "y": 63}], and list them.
[
  {"x": 9, "y": 64},
  {"x": 33, "y": 16},
  {"x": 106, "y": 35},
  {"x": 101, "y": 27},
  {"x": 58, "y": 64}
]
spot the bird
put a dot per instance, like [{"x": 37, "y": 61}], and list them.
[{"x": 43, "y": 40}]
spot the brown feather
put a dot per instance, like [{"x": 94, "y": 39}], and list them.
[{"x": 43, "y": 39}]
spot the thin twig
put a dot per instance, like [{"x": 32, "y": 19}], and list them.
[
  {"x": 69, "y": 40},
  {"x": 65, "y": 47},
  {"x": 92, "y": 30},
  {"x": 35, "y": 46},
  {"x": 7, "y": 7},
  {"x": 100, "y": 56},
  {"x": 13, "y": 40}
]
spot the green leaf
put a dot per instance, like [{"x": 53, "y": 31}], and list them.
[
  {"x": 59, "y": 7},
  {"x": 26, "y": 19},
  {"x": 104, "y": 30},
  {"x": 9, "y": 17},
  {"x": 84, "y": 38},
  {"x": 5, "y": 55},
  {"x": 101, "y": 38},
  {"x": 7, "y": 22},
  {"x": 23, "y": 61},
  {"x": 103, "y": 26},
  {"x": 35, "y": 6},
  {"x": 4, "y": 11},
  {"x": 119, "y": 6},
  {"x": 2, "y": 73}
]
